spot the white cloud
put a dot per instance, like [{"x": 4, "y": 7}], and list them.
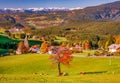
[{"x": 77, "y": 8}]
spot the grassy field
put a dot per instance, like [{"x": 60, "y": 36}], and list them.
[{"x": 36, "y": 68}]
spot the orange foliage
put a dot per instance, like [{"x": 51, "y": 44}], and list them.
[
  {"x": 21, "y": 48},
  {"x": 62, "y": 57},
  {"x": 118, "y": 51}
]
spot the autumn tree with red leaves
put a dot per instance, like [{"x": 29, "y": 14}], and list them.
[{"x": 63, "y": 56}]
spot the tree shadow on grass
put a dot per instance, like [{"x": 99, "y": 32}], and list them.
[{"x": 96, "y": 72}]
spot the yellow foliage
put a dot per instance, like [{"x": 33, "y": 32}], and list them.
[
  {"x": 117, "y": 40},
  {"x": 44, "y": 47}
]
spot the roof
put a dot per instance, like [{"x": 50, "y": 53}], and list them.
[{"x": 114, "y": 46}]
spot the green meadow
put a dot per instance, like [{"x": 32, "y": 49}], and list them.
[{"x": 36, "y": 68}]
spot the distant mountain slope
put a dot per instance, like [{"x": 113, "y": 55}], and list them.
[{"x": 110, "y": 11}]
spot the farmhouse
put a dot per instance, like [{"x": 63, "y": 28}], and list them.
[{"x": 114, "y": 47}]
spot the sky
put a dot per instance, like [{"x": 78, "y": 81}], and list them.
[{"x": 51, "y": 3}]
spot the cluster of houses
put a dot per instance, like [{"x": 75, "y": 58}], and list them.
[
  {"x": 23, "y": 47},
  {"x": 44, "y": 48}
]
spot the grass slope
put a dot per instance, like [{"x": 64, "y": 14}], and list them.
[
  {"x": 27, "y": 68},
  {"x": 5, "y": 39},
  {"x": 3, "y": 51}
]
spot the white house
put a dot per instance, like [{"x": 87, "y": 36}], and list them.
[{"x": 114, "y": 47}]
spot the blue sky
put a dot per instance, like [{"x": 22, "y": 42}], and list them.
[{"x": 51, "y": 3}]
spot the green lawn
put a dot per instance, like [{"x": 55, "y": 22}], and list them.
[{"x": 28, "y": 68}]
